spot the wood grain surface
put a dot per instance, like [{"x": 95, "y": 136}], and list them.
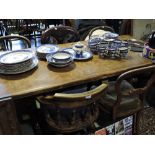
[{"x": 46, "y": 78}]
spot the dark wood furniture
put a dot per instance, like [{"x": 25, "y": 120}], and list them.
[
  {"x": 46, "y": 78},
  {"x": 6, "y": 41},
  {"x": 87, "y": 32},
  {"x": 104, "y": 28},
  {"x": 59, "y": 35},
  {"x": 122, "y": 99},
  {"x": 68, "y": 112}
]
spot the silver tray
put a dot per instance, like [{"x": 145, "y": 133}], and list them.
[
  {"x": 33, "y": 65},
  {"x": 85, "y": 55}
]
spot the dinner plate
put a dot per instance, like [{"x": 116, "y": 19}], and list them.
[
  {"x": 84, "y": 56},
  {"x": 21, "y": 70},
  {"x": 15, "y": 57},
  {"x": 47, "y": 48},
  {"x": 43, "y": 50}
]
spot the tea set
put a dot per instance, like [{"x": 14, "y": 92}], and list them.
[{"x": 106, "y": 46}]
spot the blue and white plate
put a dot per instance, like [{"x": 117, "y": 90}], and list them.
[
  {"x": 20, "y": 69},
  {"x": 43, "y": 50},
  {"x": 84, "y": 56}
]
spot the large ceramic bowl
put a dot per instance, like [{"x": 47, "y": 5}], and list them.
[{"x": 61, "y": 56}]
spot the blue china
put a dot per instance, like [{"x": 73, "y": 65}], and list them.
[
  {"x": 16, "y": 62},
  {"x": 123, "y": 51},
  {"x": 43, "y": 50},
  {"x": 61, "y": 56},
  {"x": 111, "y": 35},
  {"x": 117, "y": 43},
  {"x": 124, "y": 44},
  {"x": 93, "y": 43},
  {"x": 84, "y": 56},
  {"x": 60, "y": 59},
  {"x": 78, "y": 48}
]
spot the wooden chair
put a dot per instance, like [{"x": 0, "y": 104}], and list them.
[
  {"x": 67, "y": 113},
  {"x": 60, "y": 34},
  {"x": 122, "y": 99},
  {"x": 99, "y": 30},
  {"x": 6, "y": 41}
]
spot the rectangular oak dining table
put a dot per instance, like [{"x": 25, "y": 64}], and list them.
[{"x": 46, "y": 78}]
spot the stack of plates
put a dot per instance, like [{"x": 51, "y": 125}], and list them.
[
  {"x": 60, "y": 59},
  {"x": 43, "y": 50},
  {"x": 17, "y": 62}
]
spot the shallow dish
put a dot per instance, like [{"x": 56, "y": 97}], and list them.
[
  {"x": 43, "y": 50},
  {"x": 84, "y": 56},
  {"x": 15, "y": 57},
  {"x": 20, "y": 70}
]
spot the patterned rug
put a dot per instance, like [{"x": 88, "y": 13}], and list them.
[{"x": 146, "y": 121}]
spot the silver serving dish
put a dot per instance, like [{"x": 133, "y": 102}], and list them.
[{"x": 84, "y": 56}]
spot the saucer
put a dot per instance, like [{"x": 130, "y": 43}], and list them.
[{"x": 84, "y": 56}]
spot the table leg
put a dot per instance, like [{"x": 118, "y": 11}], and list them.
[{"x": 8, "y": 119}]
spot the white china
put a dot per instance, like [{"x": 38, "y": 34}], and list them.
[
  {"x": 43, "y": 50},
  {"x": 60, "y": 59},
  {"x": 15, "y": 57},
  {"x": 21, "y": 69},
  {"x": 84, "y": 56}
]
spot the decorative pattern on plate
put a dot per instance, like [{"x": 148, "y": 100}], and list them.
[
  {"x": 85, "y": 55},
  {"x": 43, "y": 50},
  {"x": 60, "y": 59},
  {"x": 20, "y": 69},
  {"x": 15, "y": 57}
]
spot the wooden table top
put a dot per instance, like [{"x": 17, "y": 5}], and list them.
[{"x": 45, "y": 78}]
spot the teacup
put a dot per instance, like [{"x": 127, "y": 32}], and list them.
[
  {"x": 123, "y": 51},
  {"x": 78, "y": 48}
]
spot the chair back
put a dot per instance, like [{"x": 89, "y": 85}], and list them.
[
  {"x": 6, "y": 42},
  {"x": 60, "y": 34},
  {"x": 134, "y": 91},
  {"x": 102, "y": 28},
  {"x": 67, "y": 113}
]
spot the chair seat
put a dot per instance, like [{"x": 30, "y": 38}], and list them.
[{"x": 128, "y": 105}]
